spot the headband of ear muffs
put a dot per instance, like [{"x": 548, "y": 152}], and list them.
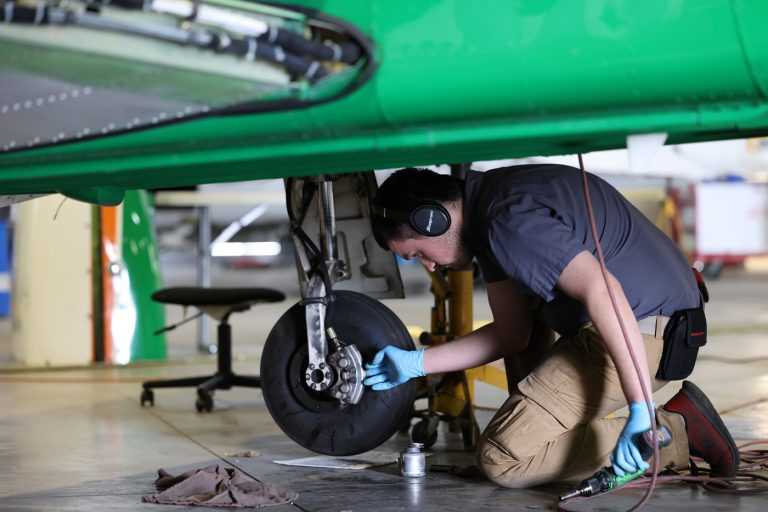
[{"x": 429, "y": 218}]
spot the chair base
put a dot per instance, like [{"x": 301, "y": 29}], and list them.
[
  {"x": 224, "y": 378},
  {"x": 206, "y": 386},
  {"x": 207, "y": 382}
]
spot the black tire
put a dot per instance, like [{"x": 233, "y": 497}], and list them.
[
  {"x": 425, "y": 432},
  {"x": 314, "y": 420}
]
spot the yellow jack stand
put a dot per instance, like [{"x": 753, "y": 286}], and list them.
[{"x": 451, "y": 395}]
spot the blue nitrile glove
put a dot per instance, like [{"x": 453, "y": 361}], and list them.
[
  {"x": 392, "y": 366},
  {"x": 626, "y": 456}
]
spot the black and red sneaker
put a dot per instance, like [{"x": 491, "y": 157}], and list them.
[{"x": 708, "y": 436}]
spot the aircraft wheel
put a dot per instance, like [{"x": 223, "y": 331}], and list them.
[
  {"x": 313, "y": 419},
  {"x": 425, "y": 432}
]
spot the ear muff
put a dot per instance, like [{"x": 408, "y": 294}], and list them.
[
  {"x": 430, "y": 219},
  {"x": 427, "y": 219}
]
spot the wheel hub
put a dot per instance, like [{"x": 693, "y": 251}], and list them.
[
  {"x": 341, "y": 379},
  {"x": 342, "y": 376},
  {"x": 319, "y": 377}
]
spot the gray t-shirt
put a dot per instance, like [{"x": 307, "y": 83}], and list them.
[{"x": 528, "y": 222}]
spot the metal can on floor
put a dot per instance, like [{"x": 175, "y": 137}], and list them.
[{"x": 413, "y": 462}]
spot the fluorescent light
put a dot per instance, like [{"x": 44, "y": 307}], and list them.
[
  {"x": 231, "y": 230},
  {"x": 245, "y": 249}
]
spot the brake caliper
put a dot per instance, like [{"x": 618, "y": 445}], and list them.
[{"x": 347, "y": 362}]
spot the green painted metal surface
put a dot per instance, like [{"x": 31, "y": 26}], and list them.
[
  {"x": 463, "y": 81},
  {"x": 105, "y": 196},
  {"x": 141, "y": 261}
]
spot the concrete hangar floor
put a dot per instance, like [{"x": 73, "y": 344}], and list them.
[{"x": 77, "y": 440}]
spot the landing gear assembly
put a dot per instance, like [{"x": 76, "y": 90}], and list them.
[{"x": 312, "y": 364}]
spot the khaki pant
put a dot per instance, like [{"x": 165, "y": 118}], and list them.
[{"x": 553, "y": 427}]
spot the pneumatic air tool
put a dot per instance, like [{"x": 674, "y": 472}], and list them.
[{"x": 605, "y": 479}]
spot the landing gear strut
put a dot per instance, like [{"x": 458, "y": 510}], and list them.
[{"x": 312, "y": 363}]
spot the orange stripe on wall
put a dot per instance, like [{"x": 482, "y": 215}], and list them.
[{"x": 109, "y": 233}]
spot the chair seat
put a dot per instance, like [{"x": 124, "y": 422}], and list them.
[{"x": 197, "y": 296}]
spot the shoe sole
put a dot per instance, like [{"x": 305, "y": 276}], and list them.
[{"x": 698, "y": 397}]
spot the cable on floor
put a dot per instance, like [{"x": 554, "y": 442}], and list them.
[{"x": 751, "y": 477}]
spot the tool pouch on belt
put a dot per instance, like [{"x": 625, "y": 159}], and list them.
[{"x": 686, "y": 331}]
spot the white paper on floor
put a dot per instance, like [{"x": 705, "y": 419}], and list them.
[{"x": 361, "y": 461}]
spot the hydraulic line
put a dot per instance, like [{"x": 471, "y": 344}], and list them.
[
  {"x": 346, "y": 52},
  {"x": 248, "y": 47}
]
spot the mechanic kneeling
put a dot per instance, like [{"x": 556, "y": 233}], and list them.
[{"x": 528, "y": 228}]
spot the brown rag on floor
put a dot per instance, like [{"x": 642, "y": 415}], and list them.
[{"x": 216, "y": 486}]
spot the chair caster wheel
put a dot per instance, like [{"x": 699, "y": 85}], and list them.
[
  {"x": 425, "y": 431},
  {"x": 204, "y": 402},
  {"x": 148, "y": 397}
]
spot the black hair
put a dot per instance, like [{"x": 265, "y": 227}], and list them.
[{"x": 406, "y": 189}]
